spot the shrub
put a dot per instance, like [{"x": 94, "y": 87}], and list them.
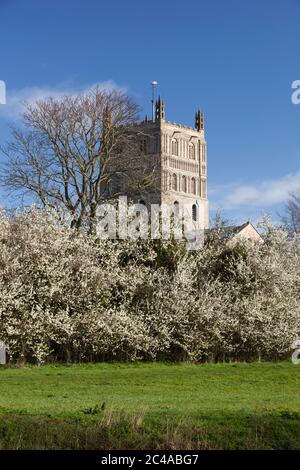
[{"x": 67, "y": 296}]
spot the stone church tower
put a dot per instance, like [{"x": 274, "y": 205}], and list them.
[{"x": 182, "y": 166}]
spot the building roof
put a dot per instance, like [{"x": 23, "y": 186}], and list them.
[{"x": 224, "y": 233}]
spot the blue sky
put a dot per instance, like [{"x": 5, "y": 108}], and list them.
[{"x": 234, "y": 59}]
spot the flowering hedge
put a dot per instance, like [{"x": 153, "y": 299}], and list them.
[{"x": 64, "y": 295}]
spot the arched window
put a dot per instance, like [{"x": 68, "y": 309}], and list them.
[
  {"x": 193, "y": 186},
  {"x": 203, "y": 188},
  {"x": 203, "y": 153},
  {"x": 194, "y": 212},
  {"x": 174, "y": 147},
  {"x": 184, "y": 184},
  {"x": 176, "y": 207},
  {"x": 192, "y": 151},
  {"x": 174, "y": 182}
]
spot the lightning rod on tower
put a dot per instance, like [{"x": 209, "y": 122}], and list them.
[{"x": 153, "y": 86}]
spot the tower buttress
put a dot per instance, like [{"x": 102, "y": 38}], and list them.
[
  {"x": 199, "y": 120},
  {"x": 159, "y": 110}
]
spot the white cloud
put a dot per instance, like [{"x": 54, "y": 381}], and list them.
[
  {"x": 15, "y": 99},
  {"x": 263, "y": 194},
  {"x": 2, "y": 92}
]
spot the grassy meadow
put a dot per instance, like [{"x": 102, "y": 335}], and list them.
[{"x": 151, "y": 406}]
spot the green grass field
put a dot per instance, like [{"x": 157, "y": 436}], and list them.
[{"x": 151, "y": 406}]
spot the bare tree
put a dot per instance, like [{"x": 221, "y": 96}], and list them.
[
  {"x": 292, "y": 217},
  {"x": 77, "y": 152}
]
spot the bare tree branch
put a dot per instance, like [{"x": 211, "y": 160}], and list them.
[
  {"x": 77, "y": 152},
  {"x": 292, "y": 217}
]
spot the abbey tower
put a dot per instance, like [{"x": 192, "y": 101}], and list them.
[{"x": 181, "y": 155}]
